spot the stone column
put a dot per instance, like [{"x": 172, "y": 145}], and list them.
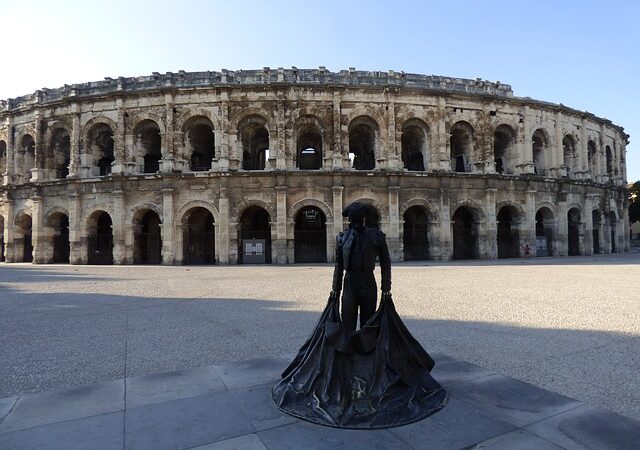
[
  {"x": 118, "y": 165},
  {"x": 37, "y": 173},
  {"x": 441, "y": 159},
  {"x": 562, "y": 240},
  {"x": 337, "y": 207},
  {"x": 558, "y": 155},
  {"x": 74, "y": 164},
  {"x": 279, "y": 246},
  {"x": 222, "y": 228},
  {"x": 528, "y": 228},
  {"x": 340, "y": 156},
  {"x": 588, "y": 225},
  {"x": 446, "y": 241},
  {"x": 626, "y": 227},
  {"x": 393, "y": 234},
  {"x": 279, "y": 160},
  {"x": 167, "y": 226},
  {"x": 119, "y": 228},
  {"x": 491, "y": 235},
  {"x": 221, "y": 158},
  {"x": 37, "y": 230},
  {"x": 168, "y": 148},
  {"x": 75, "y": 217},
  {"x": 526, "y": 147},
  {"x": 9, "y": 251},
  {"x": 10, "y": 170}
]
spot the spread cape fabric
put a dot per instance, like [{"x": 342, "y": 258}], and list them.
[{"x": 376, "y": 377}]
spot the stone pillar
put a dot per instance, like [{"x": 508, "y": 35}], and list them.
[
  {"x": 337, "y": 208},
  {"x": 74, "y": 164},
  {"x": 37, "y": 173},
  {"x": 626, "y": 227},
  {"x": 558, "y": 155},
  {"x": 562, "y": 240},
  {"x": 279, "y": 246},
  {"x": 10, "y": 170},
  {"x": 446, "y": 241},
  {"x": 441, "y": 158},
  {"x": 75, "y": 217},
  {"x": 582, "y": 160},
  {"x": 390, "y": 159},
  {"x": 588, "y": 225},
  {"x": 393, "y": 234},
  {"x": 118, "y": 165},
  {"x": 119, "y": 229},
  {"x": 279, "y": 160},
  {"x": 528, "y": 228},
  {"x": 221, "y": 158},
  {"x": 222, "y": 228},
  {"x": 491, "y": 232},
  {"x": 167, "y": 226},
  {"x": 526, "y": 144},
  {"x": 37, "y": 231},
  {"x": 168, "y": 149},
  {"x": 9, "y": 251},
  {"x": 340, "y": 156}
]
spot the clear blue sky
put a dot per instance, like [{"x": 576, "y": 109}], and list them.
[{"x": 584, "y": 54}]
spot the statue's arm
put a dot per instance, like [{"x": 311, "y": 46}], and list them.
[
  {"x": 339, "y": 268},
  {"x": 385, "y": 262}
]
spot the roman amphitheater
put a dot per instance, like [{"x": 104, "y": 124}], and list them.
[{"x": 256, "y": 166}]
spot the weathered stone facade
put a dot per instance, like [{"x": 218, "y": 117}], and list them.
[{"x": 180, "y": 168}]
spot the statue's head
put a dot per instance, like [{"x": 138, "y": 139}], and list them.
[{"x": 356, "y": 212}]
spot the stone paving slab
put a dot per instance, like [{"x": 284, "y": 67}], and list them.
[{"x": 228, "y": 406}]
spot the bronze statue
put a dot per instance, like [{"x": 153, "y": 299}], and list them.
[{"x": 375, "y": 377}]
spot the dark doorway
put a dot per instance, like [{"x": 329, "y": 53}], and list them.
[
  {"x": 255, "y": 224},
  {"x": 412, "y": 143},
  {"x": 255, "y": 143},
  {"x": 199, "y": 237},
  {"x": 465, "y": 234},
  {"x": 310, "y": 236},
  {"x": 310, "y": 150},
  {"x": 362, "y": 141},
  {"x": 573, "y": 232},
  {"x": 60, "y": 225},
  {"x": 416, "y": 234},
  {"x": 508, "y": 239},
  {"x": 597, "y": 224},
  {"x": 1, "y": 239},
  {"x": 149, "y": 145},
  {"x": 613, "y": 222},
  {"x": 24, "y": 238},
  {"x": 544, "y": 232},
  {"x": 148, "y": 240},
  {"x": 100, "y": 239}
]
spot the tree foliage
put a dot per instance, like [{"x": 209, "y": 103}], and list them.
[{"x": 634, "y": 202}]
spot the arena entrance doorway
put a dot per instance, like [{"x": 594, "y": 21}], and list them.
[
  {"x": 148, "y": 240},
  {"x": 310, "y": 236},
  {"x": 198, "y": 237},
  {"x": 544, "y": 232},
  {"x": 23, "y": 238},
  {"x": 100, "y": 239},
  {"x": 573, "y": 231},
  {"x": 2, "y": 257},
  {"x": 508, "y": 236},
  {"x": 254, "y": 237},
  {"x": 595, "y": 233},
  {"x": 415, "y": 238},
  {"x": 465, "y": 234},
  {"x": 59, "y": 224}
]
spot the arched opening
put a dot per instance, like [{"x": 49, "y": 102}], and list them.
[
  {"x": 613, "y": 221},
  {"x": 461, "y": 145},
  {"x": 591, "y": 155},
  {"x": 503, "y": 148},
  {"x": 255, "y": 143},
  {"x": 100, "y": 146},
  {"x": 200, "y": 143},
  {"x": 414, "y": 146},
  {"x": 3, "y": 157},
  {"x": 100, "y": 239},
  {"x": 415, "y": 238},
  {"x": 59, "y": 154},
  {"x": 573, "y": 231},
  {"x": 362, "y": 143},
  {"x": 199, "y": 238},
  {"x": 59, "y": 226},
  {"x": 544, "y": 232},
  {"x": 310, "y": 236},
  {"x": 569, "y": 153},
  {"x": 609, "y": 160},
  {"x": 255, "y": 236},
  {"x": 465, "y": 234},
  {"x": 596, "y": 220},
  {"x": 2, "y": 257},
  {"x": 508, "y": 236},
  {"x": 25, "y": 158},
  {"x": 149, "y": 146},
  {"x": 22, "y": 240},
  {"x": 539, "y": 144},
  {"x": 147, "y": 239},
  {"x": 309, "y": 150}
]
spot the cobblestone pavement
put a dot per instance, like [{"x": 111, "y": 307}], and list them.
[{"x": 569, "y": 325}]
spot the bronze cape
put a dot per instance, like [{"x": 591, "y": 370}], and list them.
[{"x": 375, "y": 377}]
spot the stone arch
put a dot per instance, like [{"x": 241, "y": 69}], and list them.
[
  {"x": 89, "y": 213},
  {"x": 179, "y": 216},
  {"x": 461, "y": 145},
  {"x": 382, "y": 210},
  {"x": 53, "y": 126},
  {"x": 475, "y": 207},
  {"x": 363, "y": 138},
  {"x": 98, "y": 120},
  {"x": 550, "y": 206},
  {"x": 303, "y": 130},
  {"x": 135, "y": 213},
  {"x": 415, "y": 143},
  {"x": 237, "y": 211},
  {"x": 570, "y": 151},
  {"x": 359, "y": 111},
  {"x": 249, "y": 112},
  {"x": 54, "y": 210},
  {"x": 184, "y": 118},
  {"x": 300, "y": 204},
  {"x": 505, "y": 149},
  {"x": 23, "y": 236},
  {"x": 515, "y": 205},
  {"x": 431, "y": 208},
  {"x": 146, "y": 115}
]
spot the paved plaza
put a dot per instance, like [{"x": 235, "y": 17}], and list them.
[{"x": 570, "y": 326}]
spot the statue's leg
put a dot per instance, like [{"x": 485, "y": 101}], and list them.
[
  {"x": 368, "y": 299},
  {"x": 349, "y": 306}
]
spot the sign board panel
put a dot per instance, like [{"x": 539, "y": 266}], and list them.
[{"x": 253, "y": 251}]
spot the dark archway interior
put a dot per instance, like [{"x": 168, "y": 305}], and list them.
[
  {"x": 26, "y": 156},
  {"x": 415, "y": 237},
  {"x": 100, "y": 239},
  {"x": 3, "y": 156},
  {"x": 501, "y": 143},
  {"x": 412, "y": 142},
  {"x": 612, "y": 228},
  {"x": 609, "y": 160},
  {"x": 591, "y": 154},
  {"x": 544, "y": 229},
  {"x": 60, "y": 226},
  {"x": 101, "y": 145},
  {"x": 569, "y": 152},
  {"x": 202, "y": 141},
  {"x": 255, "y": 224},
  {"x": 59, "y": 156},
  {"x": 24, "y": 237},
  {"x": 539, "y": 142},
  {"x": 310, "y": 150},
  {"x": 597, "y": 224},
  {"x": 508, "y": 239},
  {"x": 148, "y": 134},
  {"x": 573, "y": 229},
  {"x": 460, "y": 142},
  {"x": 199, "y": 237},
  {"x": 255, "y": 143},
  {"x": 362, "y": 140},
  {"x": 148, "y": 240},
  {"x": 310, "y": 236},
  {"x": 465, "y": 234},
  {"x": 2, "y": 256}
]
